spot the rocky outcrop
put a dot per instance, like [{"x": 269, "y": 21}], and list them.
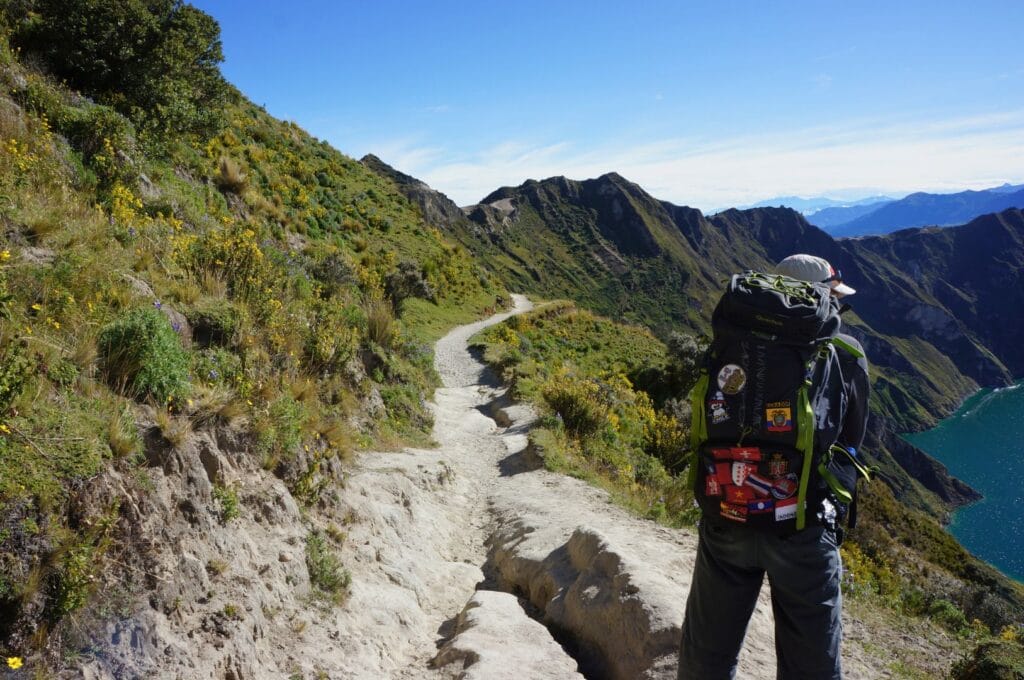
[{"x": 438, "y": 210}]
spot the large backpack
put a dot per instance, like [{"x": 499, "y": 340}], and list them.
[{"x": 769, "y": 406}]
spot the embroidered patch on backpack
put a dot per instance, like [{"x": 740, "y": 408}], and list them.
[
  {"x": 778, "y": 416},
  {"x": 778, "y": 466},
  {"x": 731, "y": 379},
  {"x": 785, "y": 510}
]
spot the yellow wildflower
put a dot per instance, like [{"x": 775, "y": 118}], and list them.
[
  {"x": 4, "y": 428},
  {"x": 5, "y": 255},
  {"x": 38, "y": 307},
  {"x": 14, "y": 662}
]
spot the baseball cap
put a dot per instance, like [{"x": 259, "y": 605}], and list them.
[{"x": 815, "y": 269}]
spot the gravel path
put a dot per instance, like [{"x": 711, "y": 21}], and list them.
[{"x": 431, "y": 530}]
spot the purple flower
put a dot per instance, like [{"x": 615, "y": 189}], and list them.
[
  {"x": 131, "y": 231},
  {"x": 157, "y": 304},
  {"x": 176, "y": 326},
  {"x": 213, "y": 374}
]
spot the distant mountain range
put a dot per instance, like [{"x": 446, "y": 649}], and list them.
[
  {"x": 811, "y": 206},
  {"x": 922, "y": 209},
  {"x": 884, "y": 215}
]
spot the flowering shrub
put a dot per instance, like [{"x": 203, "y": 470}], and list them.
[{"x": 582, "y": 404}]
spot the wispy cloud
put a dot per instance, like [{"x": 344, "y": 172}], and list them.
[
  {"x": 822, "y": 80},
  {"x": 894, "y": 156}
]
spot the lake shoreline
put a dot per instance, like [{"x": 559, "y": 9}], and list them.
[{"x": 982, "y": 444}]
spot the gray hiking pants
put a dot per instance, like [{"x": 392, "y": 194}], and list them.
[{"x": 803, "y": 570}]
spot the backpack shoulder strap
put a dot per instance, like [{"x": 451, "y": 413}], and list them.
[
  {"x": 698, "y": 424},
  {"x": 847, "y": 347}
]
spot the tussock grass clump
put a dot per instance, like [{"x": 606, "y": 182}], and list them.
[
  {"x": 380, "y": 322},
  {"x": 143, "y": 358},
  {"x": 230, "y": 178}
]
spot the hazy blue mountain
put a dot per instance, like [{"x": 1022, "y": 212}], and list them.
[
  {"x": 1007, "y": 188},
  {"x": 924, "y": 209},
  {"x": 811, "y": 206},
  {"x": 827, "y": 218}
]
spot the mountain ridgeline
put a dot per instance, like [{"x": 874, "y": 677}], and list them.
[
  {"x": 916, "y": 210},
  {"x": 936, "y": 318}
]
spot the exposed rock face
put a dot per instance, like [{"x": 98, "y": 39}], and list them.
[{"x": 438, "y": 210}]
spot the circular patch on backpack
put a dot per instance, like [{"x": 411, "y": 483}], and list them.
[{"x": 731, "y": 379}]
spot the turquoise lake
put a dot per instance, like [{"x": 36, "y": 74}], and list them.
[{"x": 983, "y": 444}]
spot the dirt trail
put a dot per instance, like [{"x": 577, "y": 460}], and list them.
[{"x": 433, "y": 527}]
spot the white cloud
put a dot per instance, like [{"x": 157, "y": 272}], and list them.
[{"x": 892, "y": 156}]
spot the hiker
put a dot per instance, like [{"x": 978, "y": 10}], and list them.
[{"x": 764, "y": 510}]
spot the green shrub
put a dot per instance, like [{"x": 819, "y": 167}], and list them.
[
  {"x": 106, "y": 140},
  {"x": 326, "y": 572},
  {"x": 74, "y": 580},
  {"x": 1000, "y": 660},
  {"x": 227, "y": 497},
  {"x": 947, "y": 614},
  {"x": 155, "y": 61},
  {"x": 334, "y": 334},
  {"x": 143, "y": 358},
  {"x": 218, "y": 366},
  {"x": 15, "y": 370},
  {"x": 578, "y": 402},
  {"x": 63, "y": 372}
]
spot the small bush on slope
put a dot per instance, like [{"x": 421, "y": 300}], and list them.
[{"x": 142, "y": 357}]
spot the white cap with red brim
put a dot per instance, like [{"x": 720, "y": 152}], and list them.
[{"x": 815, "y": 269}]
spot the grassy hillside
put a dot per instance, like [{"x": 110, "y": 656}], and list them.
[
  {"x": 580, "y": 370},
  {"x": 156, "y": 281}
]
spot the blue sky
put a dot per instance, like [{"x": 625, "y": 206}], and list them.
[{"x": 707, "y": 104}]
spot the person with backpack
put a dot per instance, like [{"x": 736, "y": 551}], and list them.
[{"x": 779, "y": 415}]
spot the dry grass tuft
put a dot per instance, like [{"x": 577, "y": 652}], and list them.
[
  {"x": 174, "y": 429},
  {"x": 380, "y": 322},
  {"x": 216, "y": 404},
  {"x": 230, "y": 177}
]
